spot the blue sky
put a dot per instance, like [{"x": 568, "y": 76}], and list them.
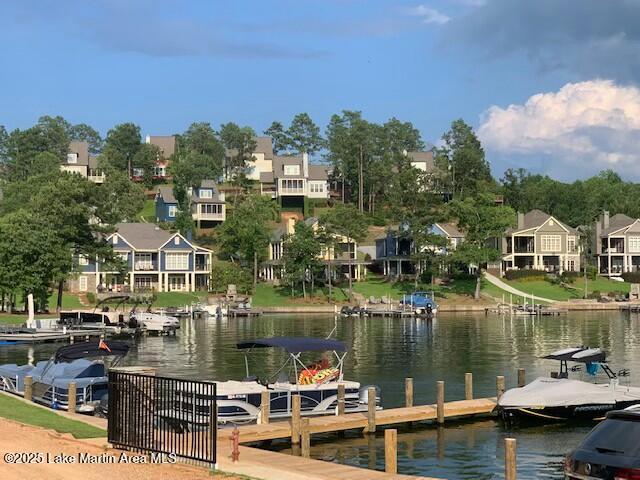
[{"x": 166, "y": 63}]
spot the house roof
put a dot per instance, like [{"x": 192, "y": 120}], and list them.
[
  {"x": 143, "y": 236},
  {"x": 166, "y": 192},
  {"x": 264, "y": 145},
  {"x": 266, "y": 177},
  {"x": 82, "y": 150},
  {"x": 93, "y": 162},
  {"x": 216, "y": 197},
  {"x": 318, "y": 172},
  {"x": 166, "y": 144},
  {"x": 618, "y": 222},
  {"x": 279, "y": 161},
  {"x": 209, "y": 184},
  {"x": 423, "y": 157},
  {"x": 451, "y": 229},
  {"x": 536, "y": 218}
]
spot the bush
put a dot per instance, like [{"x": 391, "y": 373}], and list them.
[
  {"x": 592, "y": 272},
  {"x": 570, "y": 277},
  {"x": 631, "y": 277},
  {"x": 227, "y": 273},
  {"x": 595, "y": 294},
  {"x": 91, "y": 297},
  {"x": 525, "y": 275}
]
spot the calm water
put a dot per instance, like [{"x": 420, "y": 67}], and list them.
[{"x": 384, "y": 352}]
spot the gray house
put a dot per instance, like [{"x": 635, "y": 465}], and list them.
[
  {"x": 617, "y": 244},
  {"x": 540, "y": 241}
]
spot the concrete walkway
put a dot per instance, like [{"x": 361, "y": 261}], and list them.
[{"x": 509, "y": 289}]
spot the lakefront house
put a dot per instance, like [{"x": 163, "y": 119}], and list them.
[
  {"x": 208, "y": 206},
  {"x": 617, "y": 244},
  {"x": 156, "y": 260},
  {"x": 293, "y": 179},
  {"x": 80, "y": 161}
]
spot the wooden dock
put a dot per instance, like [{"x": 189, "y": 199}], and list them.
[
  {"x": 244, "y": 312},
  {"x": 23, "y": 336}
]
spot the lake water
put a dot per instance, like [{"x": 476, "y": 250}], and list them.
[{"x": 384, "y": 352}]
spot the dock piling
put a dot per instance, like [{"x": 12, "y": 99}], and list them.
[
  {"x": 371, "y": 411},
  {"x": 306, "y": 438},
  {"x": 510, "y": 459},
  {"x": 28, "y": 388},
  {"x": 295, "y": 419},
  {"x": 71, "y": 398},
  {"x": 521, "y": 377},
  {"x": 468, "y": 386},
  {"x": 391, "y": 451},
  {"x": 408, "y": 392},
  {"x": 341, "y": 401},
  {"x": 440, "y": 402},
  {"x": 499, "y": 386},
  {"x": 265, "y": 398}
]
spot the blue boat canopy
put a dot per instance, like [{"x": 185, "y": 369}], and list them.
[
  {"x": 296, "y": 344},
  {"x": 91, "y": 349}
]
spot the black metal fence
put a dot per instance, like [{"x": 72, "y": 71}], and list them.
[{"x": 163, "y": 416}]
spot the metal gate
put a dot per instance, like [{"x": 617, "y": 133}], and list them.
[{"x": 163, "y": 416}]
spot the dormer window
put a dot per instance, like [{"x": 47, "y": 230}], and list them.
[
  {"x": 114, "y": 239},
  {"x": 72, "y": 158},
  {"x": 176, "y": 240},
  {"x": 292, "y": 169},
  {"x": 206, "y": 193}
]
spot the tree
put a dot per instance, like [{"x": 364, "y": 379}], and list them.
[
  {"x": 118, "y": 199},
  {"x": 245, "y": 234},
  {"x": 201, "y": 139},
  {"x": 347, "y": 221},
  {"x": 121, "y": 145},
  {"x": 463, "y": 162},
  {"x": 301, "y": 257},
  {"x": 278, "y": 137},
  {"x": 482, "y": 221},
  {"x": 240, "y": 143},
  {"x": 84, "y": 133},
  {"x": 145, "y": 159},
  {"x": 303, "y": 135}
]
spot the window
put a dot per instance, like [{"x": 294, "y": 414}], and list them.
[
  {"x": 143, "y": 282},
  {"x": 550, "y": 243},
  {"x": 177, "y": 261},
  {"x": 159, "y": 171},
  {"x": 114, "y": 239},
  {"x": 292, "y": 184},
  {"x": 292, "y": 169},
  {"x": 82, "y": 284},
  {"x": 634, "y": 244},
  {"x": 172, "y": 211},
  {"x": 176, "y": 240},
  {"x": 571, "y": 266},
  {"x": 144, "y": 261},
  {"x": 211, "y": 209},
  {"x": 83, "y": 260},
  {"x": 206, "y": 193},
  {"x": 72, "y": 158},
  {"x": 571, "y": 244},
  {"x": 124, "y": 256},
  {"x": 138, "y": 172},
  {"x": 316, "y": 187}
]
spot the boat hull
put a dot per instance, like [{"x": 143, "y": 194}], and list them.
[{"x": 587, "y": 412}]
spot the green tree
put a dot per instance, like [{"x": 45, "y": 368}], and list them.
[
  {"x": 303, "y": 135},
  {"x": 201, "y": 139},
  {"x": 301, "y": 257},
  {"x": 145, "y": 159},
  {"x": 347, "y": 221},
  {"x": 118, "y": 199},
  {"x": 240, "y": 143},
  {"x": 121, "y": 145},
  {"x": 85, "y": 133},
  {"x": 278, "y": 137},
  {"x": 482, "y": 222}
]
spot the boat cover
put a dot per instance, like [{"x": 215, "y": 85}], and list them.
[
  {"x": 564, "y": 392},
  {"x": 91, "y": 349},
  {"x": 296, "y": 344},
  {"x": 578, "y": 354}
]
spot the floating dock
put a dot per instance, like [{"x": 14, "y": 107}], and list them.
[
  {"x": 244, "y": 312},
  {"x": 20, "y": 335}
]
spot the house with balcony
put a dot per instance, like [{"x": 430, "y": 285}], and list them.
[
  {"x": 617, "y": 244},
  {"x": 156, "y": 260},
  {"x": 540, "y": 241},
  {"x": 208, "y": 207},
  {"x": 79, "y": 161},
  {"x": 394, "y": 251},
  {"x": 167, "y": 147}
]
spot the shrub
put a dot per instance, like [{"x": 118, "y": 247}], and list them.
[
  {"x": 91, "y": 297},
  {"x": 569, "y": 277},
  {"x": 226, "y": 273},
  {"x": 592, "y": 272},
  {"x": 595, "y": 294},
  {"x": 525, "y": 275},
  {"x": 631, "y": 277}
]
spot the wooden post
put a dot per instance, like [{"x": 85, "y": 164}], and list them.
[
  {"x": 265, "y": 410},
  {"x": 499, "y": 386},
  {"x": 510, "y": 459},
  {"x": 440, "y": 404},
  {"x": 295, "y": 419},
  {"x": 408, "y": 392},
  {"x": 71, "y": 400},
  {"x": 71, "y": 339},
  {"x": 391, "y": 451},
  {"x": 341, "y": 400},
  {"x": 306, "y": 438},
  {"x": 28, "y": 388},
  {"x": 521, "y": 377},
  {"x": 371, "y": 412},
  {"x": 468, "y": 386}
]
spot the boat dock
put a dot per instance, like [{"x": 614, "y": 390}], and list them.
[
  {"x": 22, "y": 335},
  {"x": 244, "y": 312}
]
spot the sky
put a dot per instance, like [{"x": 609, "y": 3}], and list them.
[{"x": 552, "y": 86}]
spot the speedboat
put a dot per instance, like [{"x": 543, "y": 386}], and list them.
[
  {"x": 560, "y": 398},
  {"x": 86, "y": 364},
  {"x": 156, "y": 322},
  {"x": 422, "y": 303},
  {"x": 317, "y": 386}
]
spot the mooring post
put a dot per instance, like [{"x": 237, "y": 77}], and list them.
[
  {"x": 440, "y": 402},
  {"x": 71, "y": 339},
  {"x": 306, "y": 438},
  {"x": 341, "y": 400},
  {"x": 265, "y": 411},
  {"x": 235, "y": 444},
  {"x": 521, "y": 377},
  {"x": 408, "y": 392},
  {"x": 371, "y": 410},
  {"x": 295, "y": 419},
  {"x": 391, "y": 451},
  {"x": 510, "y": 459},
  {"x": 499, "y": 386},
  {"x": 71, "y": 397},
  {"x": 468, "y": 386},
  {"x": 28, "y": 388}
]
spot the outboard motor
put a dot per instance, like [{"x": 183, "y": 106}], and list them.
[
  {"x": 363, "y": 394},
  {"x": 345, "y": 310}
]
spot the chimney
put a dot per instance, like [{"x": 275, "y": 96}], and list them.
[
  {"x": 605, "y": 219},
  {"x": 305, "y": 165},
  {"x": 520, "y": 220}
]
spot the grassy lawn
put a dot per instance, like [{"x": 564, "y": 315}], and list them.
[
  {"x": 69, "y": 300},
  {"x": 148, "y": 212},
  {"x": 178, "y": 299},
  {"x": 268, "y": 295},
  {"x": 14, "y": 409}
]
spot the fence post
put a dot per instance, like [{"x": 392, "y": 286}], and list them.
[
  {"x": 265, "y": 410},
  {"x": 28, "y": 388},
  {"x": 295, "y": 419},
  {"x": 521, "y": 377},
  {"x": 499, "y": 386},
  {"x": 468, "y": 386},
  {"x": 510, "y": 459},
  {"x": 213, "y": 433},
  {"x": 306, "y": 438},
  {"x": 391, "y": 451},
  {"x": 341, "y": 400},
  {"x": 71, "y": 397},
  {"x": 440, "y": 402},
  {"x": 371, "y": 410},
  {"x": 408, "y": 392}
]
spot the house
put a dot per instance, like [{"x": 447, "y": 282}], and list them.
[
  {"x": 394, "y": 250},
  {"x": 342, "y": 256},
  {"x": 424, "y": 161},
  {"x": 293, "y": 179},
  {"x": 617, "y": 244},
  {"x": 261, "y": 159},
  {"x": 157, "y": 260},
  {"x": 540, "y": 241},
  {"x": 167, "y": 146},
  {"x": 208, "y": 205},
  {"x": 81, "y": 162}
]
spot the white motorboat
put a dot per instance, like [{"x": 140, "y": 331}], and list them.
[{"x": 156, "y": 322}]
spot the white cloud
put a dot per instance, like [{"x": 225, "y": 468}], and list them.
[
  {"x": 428, "y": 15},
  {"x": 583, "y": 128}
]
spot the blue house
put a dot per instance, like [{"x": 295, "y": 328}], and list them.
[
  {"x": 157, "y": 260},
  {"x": 208, "y": 206}
]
